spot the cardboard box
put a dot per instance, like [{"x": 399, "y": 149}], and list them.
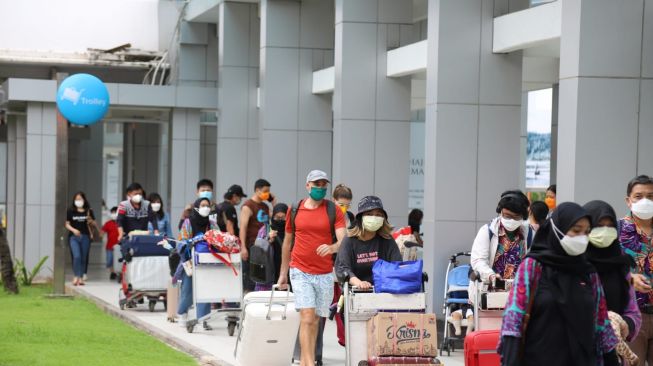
[
  {"x": 403, "y": 360},
  {"x": 402, "y": 334}
]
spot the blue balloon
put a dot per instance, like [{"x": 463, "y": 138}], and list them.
[{"x": 83, "y": 99}]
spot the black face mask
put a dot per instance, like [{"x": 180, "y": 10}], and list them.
[{"x": 278, "y": 225}]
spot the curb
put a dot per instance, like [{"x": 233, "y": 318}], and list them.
[{"x": 203, "y": 357}]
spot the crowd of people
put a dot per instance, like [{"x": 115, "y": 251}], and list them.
[{"x": 575, "y": 270}]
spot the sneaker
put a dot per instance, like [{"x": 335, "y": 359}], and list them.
[
  {"x": 181, "y": 319},
  {"x": 112, "y": 276}
]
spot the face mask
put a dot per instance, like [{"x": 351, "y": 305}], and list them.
[
  {"x": 372, "y": 223},
  {"x": 137, "y": 198},
  {"x": 264, "y": 196},
  {"x": 114, "y": 216},
  {"x": 205, "y": 194},
  {"x": 572, "y": 245},
  {"x": 550, "y": 202},
  {"x": 343, "y": 209},
  {"x": 510, "y": 224},
  {"x": 279, "y": 225},
  {"x": 79, "y": 203},
  {"x": 204, "y": 211},
  {"x": 262, "y": 217},
  {"x": 603, "y": 237},
  {"x": 156, "y": 207},
  {"x": 317, "y": 193},
  {"x": 643, "y": 209}
]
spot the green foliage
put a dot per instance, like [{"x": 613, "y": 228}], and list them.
[
  {"x": 24, "y": 276},
  {"x": 37, "y": 330}
]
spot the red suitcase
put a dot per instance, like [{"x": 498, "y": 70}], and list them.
[{"x": 481, "y": 348}]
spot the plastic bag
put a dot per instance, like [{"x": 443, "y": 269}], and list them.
[{"x": 397, "y": 277}]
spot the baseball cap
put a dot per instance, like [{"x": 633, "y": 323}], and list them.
[
  {"x": 316, "y": 175},
  {"x": 237, "y": 190}
]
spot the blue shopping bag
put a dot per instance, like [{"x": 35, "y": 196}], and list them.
[{"x": 397, "y": 277}]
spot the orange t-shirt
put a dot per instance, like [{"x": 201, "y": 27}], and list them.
[{"x": 312, "y": 229}]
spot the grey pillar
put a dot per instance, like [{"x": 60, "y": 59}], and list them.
[
  {"x": 185, "y": 157},
  {"x": 12, "y": 166},
  {"x": 371, "y": 112},
  {"x": 238, "y": 126},
  {"x": 523, "y": 139},
  {"x": 146, "y": 149},
  {"x": 40, "y": 158},
  {"x": 473, "y": 128},
  {"x": 555, "y": 93},
  {"x": 18, "y": 219},
  {"x": 605, "y": 111},
  {"x": 296, "y": 126}
]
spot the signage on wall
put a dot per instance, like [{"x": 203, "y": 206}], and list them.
[{"x": 83, "y": 99}]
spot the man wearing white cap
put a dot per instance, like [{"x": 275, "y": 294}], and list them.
[{"x": 313, "y": 234}]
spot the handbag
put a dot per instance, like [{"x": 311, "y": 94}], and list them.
[{"x": 397, "y": 277}]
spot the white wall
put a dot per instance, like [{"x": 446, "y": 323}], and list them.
[{"x": 75, "y": 25}]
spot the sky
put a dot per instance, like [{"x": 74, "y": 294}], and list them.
[{"x": 539, "y": 111}]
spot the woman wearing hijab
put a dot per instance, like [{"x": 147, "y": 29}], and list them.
[
  {"x": 197, "y": 223},
  {"x": 277, "y": 234},
  {"x": 613, "y": 267},
  {"x": 556, "y": 312}
]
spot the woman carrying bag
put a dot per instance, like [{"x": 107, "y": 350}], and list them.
[
  {"x": 80, "y": 222},
  {"x": 556, "y": 312}
]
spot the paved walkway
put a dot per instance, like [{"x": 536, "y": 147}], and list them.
[{"x": 214, "y": 347}]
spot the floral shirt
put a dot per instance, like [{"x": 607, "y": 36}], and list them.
[
  {"x": 639, "y": 246},
  {"x": 510, "y": 253},
  {"x": 529, "y": 272}
]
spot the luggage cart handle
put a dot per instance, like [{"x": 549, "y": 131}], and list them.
[{"x": 285, "y": 305}]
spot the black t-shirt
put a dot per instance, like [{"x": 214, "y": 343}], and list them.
[
  {"x": 79, "y": 220},
  {"x": 356, "y": 257},
  {"x": 230, "y": 214}
]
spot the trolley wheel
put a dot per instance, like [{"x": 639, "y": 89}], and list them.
[
  {"x": 151, "y": 305},
  {"x": 231, "y": 328},
  {"x": 190, "y": 325},
  {"x": 363, "y": 363}
]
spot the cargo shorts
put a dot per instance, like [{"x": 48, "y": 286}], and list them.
[{"x": 312, "y": 291}]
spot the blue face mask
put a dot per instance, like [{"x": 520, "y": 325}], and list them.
[
  {"x": 205, "y": 194},
  {"x": 318, "y": 193},
  {"x": 262, "y": 217}
]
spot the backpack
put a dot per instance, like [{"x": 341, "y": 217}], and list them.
[
  {"x": 331, "y": 211},
  {"x": 261, "y": 261},
  {"x": 529, "y": 237}
]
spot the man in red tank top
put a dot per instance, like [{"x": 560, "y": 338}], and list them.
[{"x": 249, "y": 225}]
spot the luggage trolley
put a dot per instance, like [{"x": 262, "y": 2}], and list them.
[
  {"x": 145, "y": 273},
  {"x": 216, "y": 282},
  {"x": 360, "y": 306},
  {"x": 489, "y": 301}
]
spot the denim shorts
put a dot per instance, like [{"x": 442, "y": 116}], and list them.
[{"x": 312, "y": 291}]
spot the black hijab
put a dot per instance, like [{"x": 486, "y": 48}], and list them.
[
  {"x": 611, "y": 263},
  {"x": 198, "y": 223},
  {"x": 565, "y": 276}
]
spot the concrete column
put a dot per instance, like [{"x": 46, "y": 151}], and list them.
[
  {"x": 40, "y": 158},
  {"x": 555, "y": 93},
  {"x": 605, "y": 111},
  {"x": 20, "y": 187},
  {"x": 85, "y": 149},
  {"x": 296, "y": 126},
  {"x": 185, "y": 160},
  {"x": 523, "y": 140},
  {"x": 238, "y": 149},
  {"x": 147, "y": 154},
  {"x": 371, "y": 112},
  {"x": 11, "y": 181},
  {"x": 473, "y": 128}
]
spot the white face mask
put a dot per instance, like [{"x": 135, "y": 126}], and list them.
[
  {"x": 603, "y": 237},
  {"x": 136, "y": 198},
  {"x": 643, "y": 209},
  {"x": 372, "y": 223},
  {"x": 114, "y": 216},
  {"x": 572, "y": 245},
  {"x": 510, "y": 224},
  {"x": 204, "y": 211},
  {"x": 156, "y": 207},
  {"x": 79, "y": 203}
]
